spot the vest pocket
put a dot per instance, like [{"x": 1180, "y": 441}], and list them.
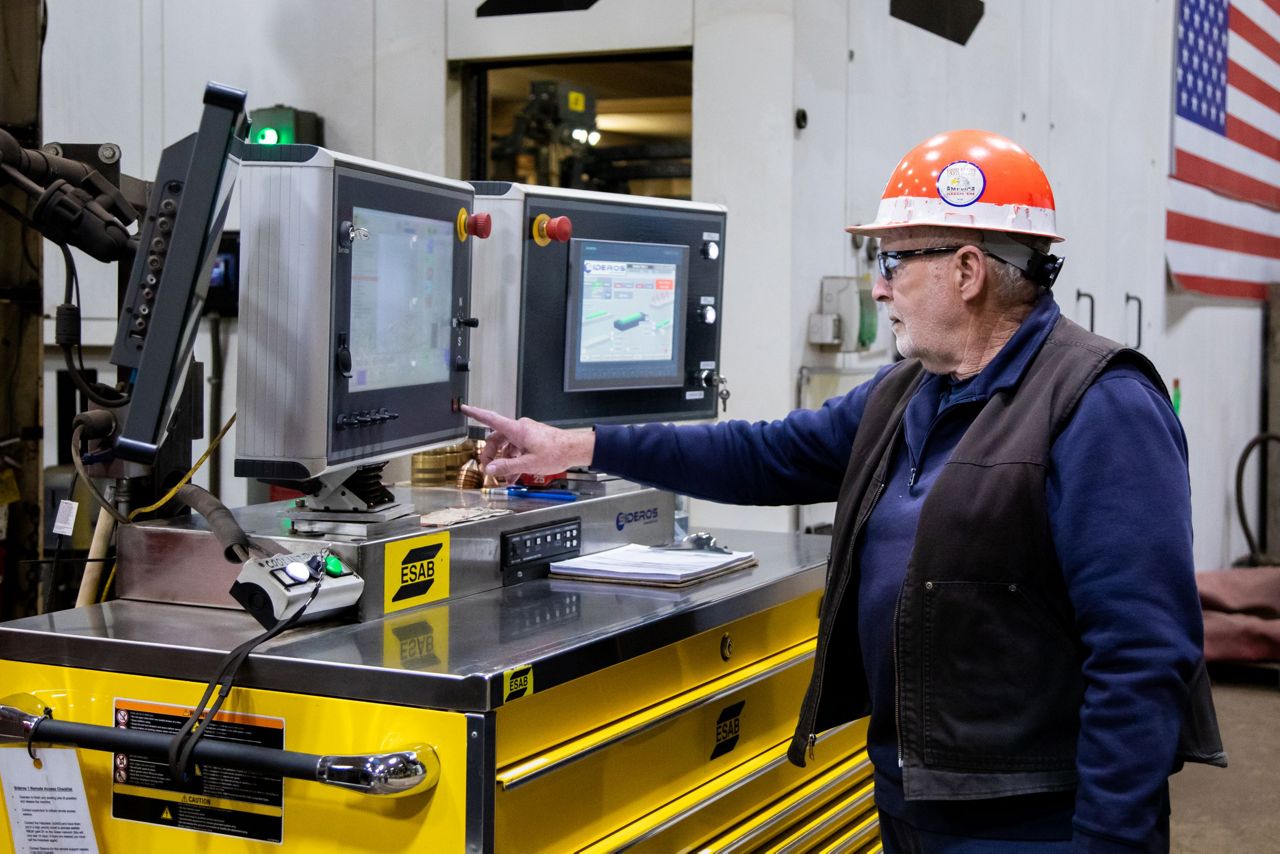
[{"x": 1002, "y": 686}]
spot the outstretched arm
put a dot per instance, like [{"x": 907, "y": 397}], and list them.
[{"x": 794, "y": 460}]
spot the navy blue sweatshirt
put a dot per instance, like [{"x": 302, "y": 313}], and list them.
[{"x": 1120, "y": 511}]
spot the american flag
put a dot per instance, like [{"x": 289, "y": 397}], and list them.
[{"x": 1223, "y": 222}]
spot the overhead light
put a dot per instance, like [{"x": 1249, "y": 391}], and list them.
[
  {"x": 593, "y": 137},
  {"x": 580, "y": 134}
]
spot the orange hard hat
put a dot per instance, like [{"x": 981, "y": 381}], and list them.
[{"x": 967, "y": 179}]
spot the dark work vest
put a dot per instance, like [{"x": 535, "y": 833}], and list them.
[{"x": 988, "y": 660}]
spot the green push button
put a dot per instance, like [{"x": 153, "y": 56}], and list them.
[{"x": 333, "y": 566}]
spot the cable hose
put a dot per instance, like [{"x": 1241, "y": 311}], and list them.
[
  {"x": 235, "y": 543},
  {"x": 1254, "y": 558}
]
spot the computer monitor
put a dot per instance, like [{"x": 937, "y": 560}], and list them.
[
  {"x": 354, "y": 312},
  {"x": 626, "y": 315},
  {"x": 597, "y": 307},
  {"x": 170, "y": 275}
]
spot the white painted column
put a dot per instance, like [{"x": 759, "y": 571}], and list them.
[{"x": 743, "y": 150}]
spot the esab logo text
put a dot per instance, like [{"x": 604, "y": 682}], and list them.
[
  {"x": 517, "y": 682},
  {"x": 415, "y": 572},
  {"x": 728, "y": 726}
]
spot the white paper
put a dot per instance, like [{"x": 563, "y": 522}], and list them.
[
  {"x": 66, "y": 520},
  {"x": 641, "y": 563},
  {"x": 48, "y": 812}
]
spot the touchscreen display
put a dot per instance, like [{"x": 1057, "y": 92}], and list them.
[
  {"x": 401, "y": 285},
  {"x": 627, "y": 313}
]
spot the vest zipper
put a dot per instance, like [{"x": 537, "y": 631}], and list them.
[
  {"x": 897, "y": 682},
  {"x": 820, "y": 653}
]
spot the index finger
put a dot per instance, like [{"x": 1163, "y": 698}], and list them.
[{"x": 492, "y": 420}]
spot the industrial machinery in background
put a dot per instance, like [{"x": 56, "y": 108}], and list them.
[
  {"x": 555, "y": 128},
  {"x": 554, "y": 142}
]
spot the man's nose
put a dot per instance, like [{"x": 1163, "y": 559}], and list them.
[{"x": 880, "y": 291}]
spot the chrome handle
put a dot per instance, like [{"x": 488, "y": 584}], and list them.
[{"x": 401, "y": 773}]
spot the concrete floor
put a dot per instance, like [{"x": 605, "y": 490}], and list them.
[{"x": 1234, "y": 809}]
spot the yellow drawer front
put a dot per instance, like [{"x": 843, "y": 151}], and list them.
[
  {"x": 744, "y": 808},
  {"x": 543, "y": 719},
  {"x": 849, "y": 816},
  {"x": 611, "y": 776},
  {"x": 316, "y": 817}
]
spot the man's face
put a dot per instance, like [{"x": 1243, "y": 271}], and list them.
[{"x": 924, "y": 304}]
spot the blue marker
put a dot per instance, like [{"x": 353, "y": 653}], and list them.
[{"x": 524, "y": 492}]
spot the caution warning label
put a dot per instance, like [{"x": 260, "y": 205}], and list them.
[{"x": 219, "y": 800}]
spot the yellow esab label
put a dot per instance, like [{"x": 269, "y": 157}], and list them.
[
  {"x": 415, "y": 572},
  {"x": 577, "y": 101},
  {"x": 517, "y": 682}
]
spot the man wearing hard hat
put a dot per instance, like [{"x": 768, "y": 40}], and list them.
[{"x": 1011, "y": 594}]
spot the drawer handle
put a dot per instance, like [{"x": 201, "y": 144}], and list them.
[{"x": 403, "y": 772}]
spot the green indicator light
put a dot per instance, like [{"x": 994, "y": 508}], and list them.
[
  {"x": 268, "y": 136},
  {"x": 333, "y": 566}
]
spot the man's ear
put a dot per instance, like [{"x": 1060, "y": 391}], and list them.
[{"x": 970, "y": 273}]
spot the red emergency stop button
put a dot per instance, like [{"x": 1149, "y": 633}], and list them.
[
  {"x": 547, "y": 229},
  {"x": 560, "y": 229},
  {"x": 479, "y": 225}
]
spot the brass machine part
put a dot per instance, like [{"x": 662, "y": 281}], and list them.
[
  {"x": 441, "y": 466},
  {"x": 470, "y": 476}
]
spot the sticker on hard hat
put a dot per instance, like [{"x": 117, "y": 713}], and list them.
[{"x": 961, "y": 183}]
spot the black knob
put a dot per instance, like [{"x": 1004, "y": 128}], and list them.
[
  {"x": 341, "y": 422},
  {"x": 469, "y": 322},
  {"x": 343, "y": 357},
  {"x": 462, "y": 366}
]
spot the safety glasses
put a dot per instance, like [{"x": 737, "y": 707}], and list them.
[{"x": 888, "y": 262}]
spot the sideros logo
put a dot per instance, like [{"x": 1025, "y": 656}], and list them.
[
  {"x": 644, "y": 517},
  {"x": 417, "y": 572},
  {"x": 728, "y": 726}
]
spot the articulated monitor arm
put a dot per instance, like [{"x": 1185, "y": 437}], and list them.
[{"x": 75, "y": 205}]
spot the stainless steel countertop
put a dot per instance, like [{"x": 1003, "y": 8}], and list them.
[{"x": 451, "y": 655}]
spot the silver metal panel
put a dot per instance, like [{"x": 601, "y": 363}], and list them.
[
  {"x": 287, "y": 231},
  {"x": 496, "y": 298},
  {"x": 565, "y": 629},
  {"x": 180, "y": 561},
  {"x": 286, "y": 241}
]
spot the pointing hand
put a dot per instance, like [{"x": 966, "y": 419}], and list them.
[{"x": 530, "y": 447}]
